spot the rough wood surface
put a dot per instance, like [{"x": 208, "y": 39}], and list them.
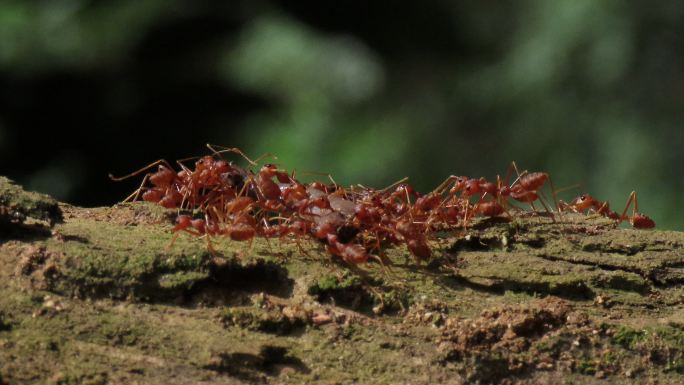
[{"x": 104, "y": 297}]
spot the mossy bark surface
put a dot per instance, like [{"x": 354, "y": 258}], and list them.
[{"x": 108, "y": 296}]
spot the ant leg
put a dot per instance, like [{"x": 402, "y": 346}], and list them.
[
  {"x": 477, "y": 205},
  {"x": 301, "y": 248},
  {"x": 250, "y": 249},
  {"x": 542, "y": 200},
  {"x": 155, "y": 163},
  {"x": 136, "y": 193},
  {"x": 442, "y": 186},
  {"x": 561, "y": 206},
  {"x": 185, "y": 199},
  {"x": 635, "y": 208},
  {"x": 553, "y": 193},
  {"x": 519, "y": 174},
  {"x": 173, "y": 240},
  {"x": 179, "y": 162},
  {"x": 223, "y": 149},
  {"x": 408, "y": 198},
  {"x": 508, "y": 173},
  {"x": 465, "y": 215},
  {"x": 176, "y": 234},
  {"x": 210, "y": 247},
  {"x": 503, "y": 200},
  {"x": 250, "y": 179},
  {"x": 381, "y": 257},
  {"x": 268, "y": 244}
]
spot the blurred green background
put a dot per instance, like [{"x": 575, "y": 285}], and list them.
[{"x": 590, "y": 91}]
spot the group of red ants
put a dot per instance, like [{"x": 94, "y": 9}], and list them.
[{"x": 219, "y": 198}]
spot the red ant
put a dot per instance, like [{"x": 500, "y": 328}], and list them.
[
  {"x": 526, "y": 188},
  {"x": 164, "y": 182},
  {"x": 351, "y": 253},
  {"x": 186, "y": 222},
  {"x": 475, "y": 187},
  {"x": 242, "y": 204},
  {"x": 587, "y": 202},
  {"x": 414, "y": 236}
]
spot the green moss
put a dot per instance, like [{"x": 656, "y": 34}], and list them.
[
  {"x": 181, "y": 281},
  {"x": 100, "y": 378},
  {"x": 627, "y": 337},
  {"x": 555, "y": 344},
  {"x": 328, "y": 283},
  {"x": 16, "y": 204},
  {"x": 522, "y": 272},
  {"x": 262, "y": 320},
  {"x": 114, "y": 330},
  {"x": 4, "y": 322},
  {"x": 676, "y": 365},
  {"x": 396, "y": 299},
  {"x": 610, "y": 358},
  {"x": 673, "y": 337},
  {"x": 119, "y": 261},
  {"x": 351, "y": 292},
  {"x": 587, "y": 366},
  {"x": 109, "y": 253},
  {"x": 622, "y": 280}
]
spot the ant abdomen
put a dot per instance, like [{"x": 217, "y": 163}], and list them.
[
  {"x": 534, "y": 180},
  {"x": 490, "y": 209},
  {"x": 641, "y": 221}
]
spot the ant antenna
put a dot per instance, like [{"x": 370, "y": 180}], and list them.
[
  {"x": 149, "y": 166},
  {"x": 337, "y": 186},
  {"x": 395, "y": 184},
  {"x": 184, "y": 167},
  {"x": 439, "y": 189}
]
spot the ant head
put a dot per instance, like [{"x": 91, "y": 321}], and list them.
[
  {"x": 583, "y": 201},
  {"x": 459, "y": 184},
  {"x": 472, "y": 186},
  {"x": 405, "y": 188},
  {"x": 268, "y": 170},
  {"x": 205, "y": 161}
]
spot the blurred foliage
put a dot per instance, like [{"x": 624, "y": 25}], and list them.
[{"x": 591, "y": 92}]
